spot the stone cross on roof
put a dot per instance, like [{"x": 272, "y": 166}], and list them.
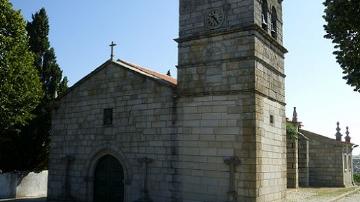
[{"x": 112, "y": 45}]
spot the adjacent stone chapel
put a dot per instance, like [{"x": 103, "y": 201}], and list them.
[{"x": 125, "y": 133}]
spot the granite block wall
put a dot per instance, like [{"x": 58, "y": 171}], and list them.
[
  {"x": 292, "y": 163},
  {"x": 143, "y": 126},
  {"x": 326, "y": 161},
  {"x": 212, "y": 129},
  {"x": 303, "y": 161}
]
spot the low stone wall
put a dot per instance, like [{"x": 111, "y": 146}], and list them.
[{"x": 18, "y": 185}]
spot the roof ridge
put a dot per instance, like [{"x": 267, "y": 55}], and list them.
[
  {"x": 324, "y": 137},
  {"x": 158, "y": 75}
]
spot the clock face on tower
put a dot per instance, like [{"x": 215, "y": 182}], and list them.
[{"x": 214, "y": 18}]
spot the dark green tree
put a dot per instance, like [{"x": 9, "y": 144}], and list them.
[
  {"x": 45, "y": 59},
  {"x": 20, "y": 87},
  {"x": 35, "y": 137},
  {"x": 343, "y": 28},
  {"x": 28, "y": 150}
]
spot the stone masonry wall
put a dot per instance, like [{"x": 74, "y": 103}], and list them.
[
  {"x": 325, "y": 161},
  {"x": 270, "y": 150},
  {"x": 292, "y": 163},
  {"x": 212, "y": 129},
  {"x": 218, "y": 64},
  {"x": 270, "y": 121},
  {"x": 192, "y": 13},
  {"x": 236, "y": 75},
  {"x": 142, "y": 127},
  {"x": 303, "y": 161}
]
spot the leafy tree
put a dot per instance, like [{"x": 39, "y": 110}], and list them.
[
  {"x": 343, "y": 28},
  {"x": 20, "y": 87},
  {"x": 28, "y": 150},
  {"x": 35, "y": 137},
  {"x": 356, "y": 178},
  {"x": 292, "y": 130}
]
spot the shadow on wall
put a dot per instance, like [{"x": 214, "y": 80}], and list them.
[{"x": 23, "y": 184}]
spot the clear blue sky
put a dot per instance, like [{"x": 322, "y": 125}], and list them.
[{"x": 81, "y": 30}]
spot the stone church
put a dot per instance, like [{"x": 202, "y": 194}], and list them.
[{"x": 125, "y": 133}]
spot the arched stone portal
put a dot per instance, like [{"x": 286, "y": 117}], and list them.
[{"x": 109, "y": 180}]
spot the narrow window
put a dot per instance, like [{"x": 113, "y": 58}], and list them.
[
  {"x": 274, "y": 22},
  {"x": 271, "y": 119},
  {"x": 264, "y": 14},
  {"x": 108, "y": 116}
]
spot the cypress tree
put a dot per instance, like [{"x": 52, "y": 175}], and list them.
[{"x": 32, "y": 143}]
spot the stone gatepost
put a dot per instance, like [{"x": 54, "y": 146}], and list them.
[
  {"x": 303, "y": 160},
  {"x": 292, "y": 163}
]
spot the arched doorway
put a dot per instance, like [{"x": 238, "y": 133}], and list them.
[{"x": 109, "y": 180}]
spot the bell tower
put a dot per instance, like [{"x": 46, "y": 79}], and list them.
[{"x": 231, "y": 101}]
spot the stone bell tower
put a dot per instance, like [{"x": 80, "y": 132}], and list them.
[{"x": 231, "y": 105}]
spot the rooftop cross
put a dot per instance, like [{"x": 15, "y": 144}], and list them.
[{"x": 112, "y": 45}]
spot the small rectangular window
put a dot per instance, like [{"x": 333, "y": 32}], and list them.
[
  {"x": 108, "y": 116},
  {"x": 271, "y": 119}
]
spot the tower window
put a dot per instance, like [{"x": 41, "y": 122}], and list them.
[
  {"x": 264, "y": 14},
  {"x": 271, "y": 119},
  {"x": 108, "y": 116},
  {"x": 274, "y": 22}
]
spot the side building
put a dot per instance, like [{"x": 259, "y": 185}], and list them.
[{"x": 320, "y": 161}]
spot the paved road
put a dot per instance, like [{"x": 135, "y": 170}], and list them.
[
  {"x": 351, "y": 198},
  {"x": 24, "y": 200}
]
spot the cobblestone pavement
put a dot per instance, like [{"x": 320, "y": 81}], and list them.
[
  {"x": 316, "y": 194},
  {"x": 24, "y": 200},
  {"x": 351, "y": 198}
]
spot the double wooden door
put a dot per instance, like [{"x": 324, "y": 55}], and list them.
[{"x": 109, "y": 180}]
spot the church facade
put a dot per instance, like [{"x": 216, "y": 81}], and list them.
[{"x": 217, "y": 133}]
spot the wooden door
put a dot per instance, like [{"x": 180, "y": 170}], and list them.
[{"x": 109, "y": 180}]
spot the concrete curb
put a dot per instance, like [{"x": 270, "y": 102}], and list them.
[{"x": 344, "y": 195}]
